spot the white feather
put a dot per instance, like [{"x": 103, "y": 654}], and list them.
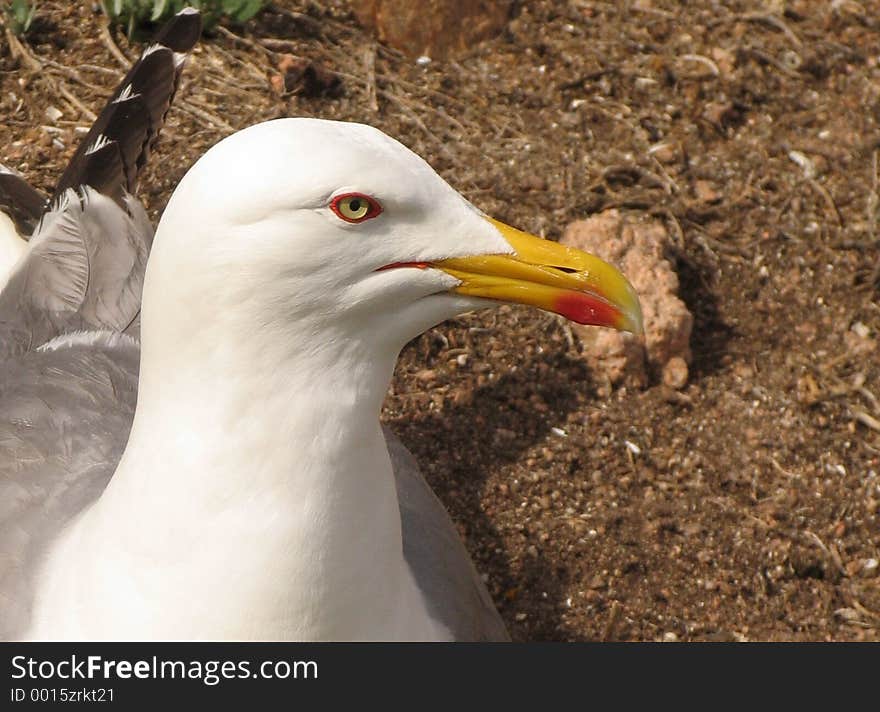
[{"x": 12, "y": 248}]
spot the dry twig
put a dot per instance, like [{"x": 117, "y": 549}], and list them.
[{"x": 111, "y": 45}]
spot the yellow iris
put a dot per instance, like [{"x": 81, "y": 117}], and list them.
[{"x": 354, "y": 207}]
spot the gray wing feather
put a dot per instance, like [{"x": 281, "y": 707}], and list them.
[
  {"x": 65, "y": 415},
  {"x": 455, "y": 594},
  {"x": 84, "y": 271}
]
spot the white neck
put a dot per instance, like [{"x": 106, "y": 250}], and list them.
[{"x": 233, "y": 529}]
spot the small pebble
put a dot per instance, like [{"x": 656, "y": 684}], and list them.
[
  {"x": 664, "y": 152},
  {"x": 861, "y": 330},
  {"x": 706, "y": 192},
  {"x": 675, "y": 373}
]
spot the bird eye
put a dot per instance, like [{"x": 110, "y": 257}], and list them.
[{"x": 355, "y": 207}]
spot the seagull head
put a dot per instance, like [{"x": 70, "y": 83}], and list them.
[{"x": 339, "y": 229}]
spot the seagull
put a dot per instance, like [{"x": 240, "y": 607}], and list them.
[{"x": 226, "y": 476}]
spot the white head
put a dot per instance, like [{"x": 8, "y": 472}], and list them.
[
  {"x": 251, "y": 229},
  {"x": 255, "y": 240}
]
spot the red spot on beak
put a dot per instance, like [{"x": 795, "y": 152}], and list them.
[{"x": 585, "y": 309}]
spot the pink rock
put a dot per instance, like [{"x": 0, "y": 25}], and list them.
[{"x": 638, "y": 250}]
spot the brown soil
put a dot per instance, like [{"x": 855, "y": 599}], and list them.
[{"x": 748, "y": 508}]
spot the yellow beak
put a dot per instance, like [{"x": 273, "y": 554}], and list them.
[{"x": 550, "y": 276}]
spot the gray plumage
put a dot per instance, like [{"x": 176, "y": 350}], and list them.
[
  {"x": 442, "y": 567},
  {"x": 84, "y": 272},
  {"x": 65, "y": 413}
]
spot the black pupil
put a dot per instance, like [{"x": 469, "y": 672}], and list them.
[{"x": 355, "y": 205}]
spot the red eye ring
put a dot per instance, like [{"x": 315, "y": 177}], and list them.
[{"x": 355, "y": 207}]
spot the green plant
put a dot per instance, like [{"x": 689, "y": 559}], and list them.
[
  {"x": 134, "y": 13},
  {"x": 20, "y": 15}
]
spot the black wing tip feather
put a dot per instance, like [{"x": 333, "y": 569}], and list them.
[
  {"x": 181, "y": 32},
  {"x": 104, "y": 170},
  {"x": 130, "y": 118},
  {"x": 135, "y": 113},
  {"x": 22, "y": 203}
]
